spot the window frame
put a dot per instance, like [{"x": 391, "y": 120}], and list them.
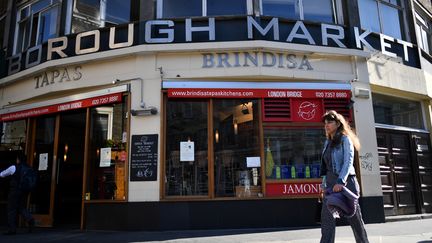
[
  {"x": 423, "y": 23},
  {"x": 211, "y": 151},
  {"x": 76, "y": 13},
  {"x": 337, "y": 9},
  {"x": 159, "y": 8},
  {"x": 402, "y": 16},
  {"x": 23, "y": 45}
]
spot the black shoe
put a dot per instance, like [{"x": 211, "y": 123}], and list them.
[
  {"x": 10, "y": 232},
  {"x": 31, "y": 225}
]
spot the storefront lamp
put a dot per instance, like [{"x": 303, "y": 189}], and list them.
[
  {"x": 362, "y": 93},
  {"x": 144, "y": 112}
]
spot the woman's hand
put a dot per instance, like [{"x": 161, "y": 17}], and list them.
[{"x": 337, "y": 187}]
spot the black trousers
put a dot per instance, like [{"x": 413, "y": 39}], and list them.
[
  {"x": 17, "y": 205},
  {"x": 328, "y": 223}
]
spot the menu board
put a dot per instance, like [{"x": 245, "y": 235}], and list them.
[{"x": 144, "y": 156}]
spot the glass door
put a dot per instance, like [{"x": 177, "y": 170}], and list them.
[
  {"x": 58, "y": 157},
  {"x": 43, "y": 157},
  {"x": 69, "y": 169}
]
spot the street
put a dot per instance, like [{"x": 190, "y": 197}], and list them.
[{"x": 406, "y": 231}]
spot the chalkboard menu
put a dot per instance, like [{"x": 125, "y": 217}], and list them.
[{"x": 144, "y": 156}]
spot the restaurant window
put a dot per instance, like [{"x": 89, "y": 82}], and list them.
[
  {"x": 187, "y": 8},
  {"x": 293, "y": 153},
  {"x": 94, "y": 14},
  {"x": 236, "y": 148},
  {"x": 382, "y": 16},
  {"x": 108, "y": 152},
  {"x": 186, "y": 169},
  {"x": 423, "y": 32},
  {"x": 311, "y": 10},
  {"x": 236, "y": 161},
  {"x": 397, "y": 111},
  {"x": 36, "y": 23},
  {"x": 3, "y": 12},
  {"x": 13, "y": 140}
]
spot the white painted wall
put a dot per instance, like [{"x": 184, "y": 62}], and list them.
[
  {"x": 145, "y": 65},
  {"x": 370, "y": 178},
  {"x": 390, "y": 74}
]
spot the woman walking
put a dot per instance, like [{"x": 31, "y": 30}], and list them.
[{"x": 338, "y": 171}]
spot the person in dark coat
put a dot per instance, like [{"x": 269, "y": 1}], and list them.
[{"x": 17, "y": 198}]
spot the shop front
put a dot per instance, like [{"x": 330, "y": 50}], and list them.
[
  {"x": 252, "y": 144},
  {"x": 77, "y": 144}
]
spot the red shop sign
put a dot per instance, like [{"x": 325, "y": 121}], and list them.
[
  {"x": 73, "y": 105},
  {"x": 306, "y": 188},
  {"x": 257, "y": 93}
]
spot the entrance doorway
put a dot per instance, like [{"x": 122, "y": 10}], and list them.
[
  {"x": 58, "y": 154},
  {"x": 405, "y": 167}
]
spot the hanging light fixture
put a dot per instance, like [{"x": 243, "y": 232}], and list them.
[
  {"x": 66, "y": 148},
  {"x": 235, "y": 127},
  {"x": 217, "y": 136},
  {"x": 245, "y": 109}
]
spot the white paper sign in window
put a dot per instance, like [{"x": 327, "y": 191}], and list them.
[
  {"x": 253, "y": 162},
  {"x": 105, "y": 157},
  {"x": 187, "y": 151},
  {"x": 43, "y": 161}
]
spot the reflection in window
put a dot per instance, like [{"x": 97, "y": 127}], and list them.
[
  {"x": 288, "y": 9},
  {"x": 312, "y": 10},
  {"x": 3, "y": 9},
  {"x": 43, "y": 148},
  {"x": 108, "y": 152},
  {"x": 396, "y": 111},
  {"x": 293, "y": 153},
  {"x": 13, "y": 138},
  {"x": 36, "y": 23},
  {"x": 187, "y": 8},
  {"x": 226, "y": 7},
  {"x": 186, "y": 168},
  {"x": 423, "y": 32},
  {"x": 181, "y": 8},
  {"x": 318, "y": 11},
  {"x": 382, "y": 16},
  {"x": 236, "y": 133},
  {"x": 93, "y": 14}
]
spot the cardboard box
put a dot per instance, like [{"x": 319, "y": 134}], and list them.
[{"x": 248, "y": 191}]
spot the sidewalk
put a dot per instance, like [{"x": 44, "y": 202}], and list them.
[{"x": 418, "y": 230}]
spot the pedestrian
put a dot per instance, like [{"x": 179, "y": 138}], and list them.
[
  {"x": 17, "y": 199},
  {"x": 337, "y": 170}
]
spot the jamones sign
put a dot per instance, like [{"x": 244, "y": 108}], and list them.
[{"x": 306, "y": 188}]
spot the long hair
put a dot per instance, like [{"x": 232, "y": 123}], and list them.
[{"x": 343, "y": 128}]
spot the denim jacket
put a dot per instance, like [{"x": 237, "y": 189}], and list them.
[{"x": 342, "y": 160}]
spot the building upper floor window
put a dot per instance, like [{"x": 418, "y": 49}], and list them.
[
  {"x": 186, "y": 8},
  {"x": 93, "y": 14},
  {"x": 36, "y": 23},
  {"x": 397, "y": 111},
  {"x": 423, "y": 32},
  {"x": 311, "y": 10},
  {"x": 382, "y": 16},
  {"x": 3, "y": 11}
]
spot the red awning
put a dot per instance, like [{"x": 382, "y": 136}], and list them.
[
  {"x": 256, "y": 93},
  {"x": 72, "y": 105}
]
